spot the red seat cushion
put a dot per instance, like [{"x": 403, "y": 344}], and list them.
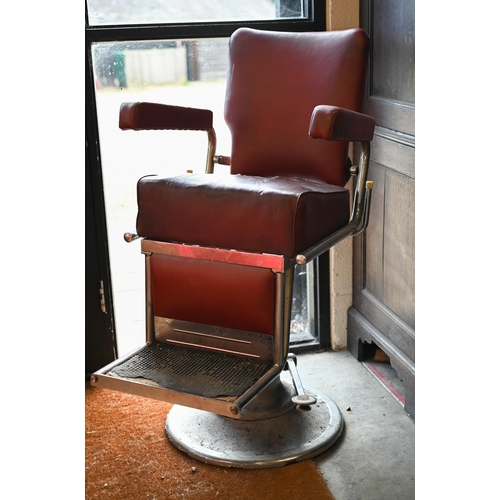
[{"x": 277, "y": 215}]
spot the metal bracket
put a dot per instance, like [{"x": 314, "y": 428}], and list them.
[{"x": 102, "y": 298}]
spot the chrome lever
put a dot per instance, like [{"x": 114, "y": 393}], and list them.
[
  {"x": 366, "y": 209},
  {"x": 302, "y": 400},
  {"x": 129, "y": 237}
]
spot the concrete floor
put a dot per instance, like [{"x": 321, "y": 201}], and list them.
[{"x": 374, "y": 459}]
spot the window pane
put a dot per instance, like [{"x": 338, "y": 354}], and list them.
[
  {"x": 303, "y": 326},
  {"x": 109, "y": 12}
]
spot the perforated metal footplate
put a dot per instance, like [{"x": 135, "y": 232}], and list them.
[{"x": 196, "y": 371}]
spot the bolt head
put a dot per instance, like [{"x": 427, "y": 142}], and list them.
[{"x": 301, "y": 260}]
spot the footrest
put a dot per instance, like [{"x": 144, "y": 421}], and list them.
[
  {"x": 204, "y": 379},
  {"x": 205, "y": 373}
]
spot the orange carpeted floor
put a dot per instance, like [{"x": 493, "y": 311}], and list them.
[{"x": 128, "y": 456}]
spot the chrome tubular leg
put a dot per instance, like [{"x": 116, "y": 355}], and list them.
[
  {"x": 283, "y": 305},
  {"x": 150, "y": 334}
]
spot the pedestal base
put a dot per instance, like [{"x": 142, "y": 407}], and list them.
[{"x": 274, "y": 442}]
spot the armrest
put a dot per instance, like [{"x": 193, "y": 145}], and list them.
[
  {"x": 339, "y": 124},
  {"x": 152, "y": 116}
]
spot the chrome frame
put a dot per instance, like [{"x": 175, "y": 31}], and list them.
[
  {"x": 284, "y": 272},
  {"x": 283, "y": 268}
]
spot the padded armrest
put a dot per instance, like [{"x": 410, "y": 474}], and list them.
[
  {"x": 153, "y": 116},
  {"x": 339, "y": 124}
]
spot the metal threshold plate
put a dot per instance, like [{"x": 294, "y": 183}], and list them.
[
  {"x": 275, "y": 442},
  {"x": 193, "y": 370}
]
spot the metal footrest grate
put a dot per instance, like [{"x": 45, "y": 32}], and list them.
[{"x": 193, "y": 370}]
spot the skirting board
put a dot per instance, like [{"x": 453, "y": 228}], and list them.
[{"x": 360, "y": 331}]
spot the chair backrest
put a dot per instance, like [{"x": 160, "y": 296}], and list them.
[{"x": 274, "y": 82}]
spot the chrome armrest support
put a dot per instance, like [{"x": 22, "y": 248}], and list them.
[
  {"x": 212, "y": 144},
  {"x": 360, "y": 210},
  {"x": 366, "y": 210},
  {"x": 359, "y": 201},
  {"x": 212, "y": 158}
]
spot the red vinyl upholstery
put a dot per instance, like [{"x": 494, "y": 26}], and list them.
[
  {"x": 277, "y": 215},
  {"x": 285, "y": 192},
  {"x": 275, "y": 81},
  {"x": 288, "y": 195},
  {"x": 213, "y": 293},
  {"x": 154, "y": 116}
]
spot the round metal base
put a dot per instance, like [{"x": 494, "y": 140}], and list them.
[{"x": 274, "y": 442}]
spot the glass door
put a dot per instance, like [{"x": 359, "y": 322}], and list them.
[{"x": 184, "y": 71}]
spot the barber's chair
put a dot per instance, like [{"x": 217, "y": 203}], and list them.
[{"x": 221, "y": 249}]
